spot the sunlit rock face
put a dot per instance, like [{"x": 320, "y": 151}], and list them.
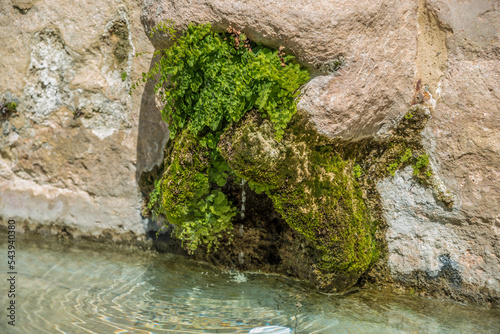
[
  {"x": 73, "y": 153},
  {"x": 371, "y": 43},
  {"x": 69, "y": 154},
  {"x": 464, "y": 144},
  {"x": 430, "y": 241}
]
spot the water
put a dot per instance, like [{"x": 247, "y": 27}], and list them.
[{"x": 89, "y": 288}]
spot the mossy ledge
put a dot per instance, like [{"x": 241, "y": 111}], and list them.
[
  {"x": 313, "y": 189},
  {"x": 324, "y": 188}
]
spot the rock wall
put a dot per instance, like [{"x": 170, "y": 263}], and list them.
[
  {"x": 73, "y": 153},
  {"x": 69, "y": 154},
  {"x": 424, "y": 238}
]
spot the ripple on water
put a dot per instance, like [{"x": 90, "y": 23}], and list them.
[{"x": 88, "y": 288}]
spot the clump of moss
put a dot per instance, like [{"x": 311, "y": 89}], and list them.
[
  {"x": 382, "y": 159},
  {"x": 314, "y": 190},
  {"x": 186, "y": 198}
]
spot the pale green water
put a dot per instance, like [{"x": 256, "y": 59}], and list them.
[{"x": 63, "y": 288}]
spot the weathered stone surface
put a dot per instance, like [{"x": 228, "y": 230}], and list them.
[
  {"x": 425, "y": 237},
  {"x": 375, "y": 39},
  {"x": 463, "y": 135},
  {"x": 464, "y": 144},
  {"x": 58, "y": 168},
  {"x": 24, "y": 5}
]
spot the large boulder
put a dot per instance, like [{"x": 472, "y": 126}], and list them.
[{"x": 372, "y": 42}]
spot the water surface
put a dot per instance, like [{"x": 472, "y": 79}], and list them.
[{"x": 89, "y": 288}]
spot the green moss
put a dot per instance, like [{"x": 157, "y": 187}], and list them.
[
  {"x": 208, "y": 80},
  {"x": 200, "y": 211},
  {"x": 329, "y": 210},
  {"x": 421, "y": 165},
  {"x": 313, "y": 188},
  {"x": 382, "y": 159},
  {"x": 357, "y": 171},
  {"x": 393, "y": 167},
  {"x": 185, "y": 180},
  {"x": 325, "y": 189}
]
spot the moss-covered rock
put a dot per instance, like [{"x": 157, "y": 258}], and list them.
[
  {"x": 199, "y": 211},
  {"x": 323, "y": 189},
  {"x": 315, "y": 191},
  {"x": 185, "y": 180},
  {"x": 7, "y": 108}
]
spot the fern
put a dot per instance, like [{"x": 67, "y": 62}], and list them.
[{"x": 207, "y": 81}]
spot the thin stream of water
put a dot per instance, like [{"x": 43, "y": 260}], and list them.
[{"x": 89, "y": 288}]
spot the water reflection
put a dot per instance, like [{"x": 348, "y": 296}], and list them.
[{"x": 87, "y": 288}]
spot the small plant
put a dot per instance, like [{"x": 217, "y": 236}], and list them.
[
  {"x": 356, "y": 171},
  {"x": 422, "y": 163},
  {"x": 77, "y": 113},
  {"x": 406, "y": 156},
  {"x": 392, "y": 168},
  {"x": 7, "y": 108},
  {"x": 154, "y": 199},
  {"x": 124, "y": 76},
  {"x": 212, "y": 217}
]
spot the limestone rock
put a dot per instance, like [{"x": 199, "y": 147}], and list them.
[
  {"x": 68, "y": 157},
  {"x": 463, "y": 140},
  {"x": 375, "y": 40},
  {"x": 427, "y": 238},
  {"x": 463, "y": 134}
]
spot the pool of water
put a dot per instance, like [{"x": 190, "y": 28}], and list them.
[{"x": 64, "y": 287}]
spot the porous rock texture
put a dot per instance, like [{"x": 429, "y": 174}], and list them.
[
  {"x": 463, "y": 141},
  {"x": 81, "y": 173},
  {"x": 69, "y": 154}
]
